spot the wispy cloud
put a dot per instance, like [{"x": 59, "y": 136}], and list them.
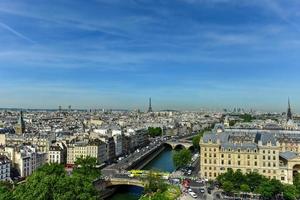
[{"x": 16, "y": 33}]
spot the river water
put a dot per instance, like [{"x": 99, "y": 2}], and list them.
[{"x": 163, "y": 162}]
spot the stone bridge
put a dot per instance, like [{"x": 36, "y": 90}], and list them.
[
  {"x": 176, "y": 144},
  {"x": 103, "y": 184}
]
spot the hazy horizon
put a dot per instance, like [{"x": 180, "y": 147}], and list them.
[{"x": 185, "y": 54}]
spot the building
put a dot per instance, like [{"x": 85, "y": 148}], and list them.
[
  {"x": 26, "y": 159},
  {"x": 94, "y": 148},
  {"x": 4, "y": 168},
  {"x": 272, "y": 153},
  {"x": 20, "y": 126},
  {"x": 57, "y": 153}
]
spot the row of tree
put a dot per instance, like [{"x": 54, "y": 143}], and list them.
[
  {"x": 237, "y": 182},
  {"x": 51, "y": 182},
  {"x": 154, "y": 132},
  {"x": 182, "y": 158},
  {"x": 196, "y": 139},
  {"x": 157, "y": 189}
]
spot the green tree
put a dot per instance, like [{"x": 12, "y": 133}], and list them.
[
  {"x": 228, "y": 187},
  {"x": 270, "y": 188},
  {"x": 5, "y": 191},
  {"x": 196, "y": 139},
  {"x": 87, "y": 167},
  {"x": 290, "y": 192},
  {"x": 51, "y": 182},
  {"x": 182, "y": 158},
  {"x": 296, "y": 181},
  {"x": 154, "y": 183},
  {"x": 245, "y": 188},
  {"x": 154, "y": 132}
]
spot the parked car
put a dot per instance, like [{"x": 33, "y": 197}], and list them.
[{"x": 193, "y": 194}]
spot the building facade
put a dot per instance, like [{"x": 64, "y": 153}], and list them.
[
  {"x": 93, "y": 148},
  {"x": 5, "y": 166},
  {"x": 273, "y": 154}
]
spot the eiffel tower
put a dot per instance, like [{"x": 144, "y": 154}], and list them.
[{"x": 150, "y": 106}]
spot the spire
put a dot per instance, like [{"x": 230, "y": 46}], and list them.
[
  {"x": 289, "y": 111},
  {"x": 150, "y": 105}
]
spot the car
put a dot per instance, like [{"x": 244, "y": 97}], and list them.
[
  {"x": 193, "y": 194},
  {"x": 202, "y": 190},
  {"x": 190, "y": 190}
]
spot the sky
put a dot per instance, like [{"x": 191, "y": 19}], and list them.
[{"x": 185, "y": 54}]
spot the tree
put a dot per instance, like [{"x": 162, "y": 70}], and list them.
[
  {"x": 154, "y": 132},
  {"x": 290, "y": 192},
  {"x": 5, "y": 191},
  {"x": 269, "y": 189},
  {"x": 182, "y": 158},
  {"x": 154, "y": 183},
  {"x": 51, "y": 182},
  {"x": 87, "y": 167},
  {"x": 296, "y": 181},
  {"x": 228, "y": 187},
  {"x": 245, "y": 188},
  {"x": 196, "y": 139}
]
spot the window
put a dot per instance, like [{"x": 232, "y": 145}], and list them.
[
  {"x": 248, "y": 163},
  {"x": 239, "y": 150},
  {"x": 222, "y": 162},
  {"x": 282, "y": 178},
  {"x": 229, "y": 155},
  {"x": 239, "y": 162},
  {"x": 229, "y": 162},
  {"x": 239, "y": 156},
  {"x": 255, "y": 163},
  {"x": 248, "y": 156},
  {"x": 222, "y": 155},
  {"x": 255, "y": 157}
]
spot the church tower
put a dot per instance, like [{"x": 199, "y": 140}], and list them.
[
  {"x": 150, "y": 106},
  {"x": 20, "y": 127},
  {"x": 289, "y": 111}
]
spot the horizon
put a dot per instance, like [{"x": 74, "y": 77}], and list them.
[{"x": 185, "y": 54}]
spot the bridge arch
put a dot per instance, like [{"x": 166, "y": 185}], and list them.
[
  {"x": 179, "y": 146},
  {"x": 168, "y": 145}
]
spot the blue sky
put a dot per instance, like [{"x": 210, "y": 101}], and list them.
[{"x": 185, "y": 54}]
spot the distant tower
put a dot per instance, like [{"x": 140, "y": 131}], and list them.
[
  {"x": 150, "y": 106},
  {"x": 70, "y": 108},
  {"x": 20, "y": 127},
  {"x": 59, "y": 108},
  {"x": 289, "y": 111}
]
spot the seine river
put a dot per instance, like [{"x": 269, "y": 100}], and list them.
[{"x": 162, "y": 162}]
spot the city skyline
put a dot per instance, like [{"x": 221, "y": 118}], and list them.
[{"x": 185, "y": 54}]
